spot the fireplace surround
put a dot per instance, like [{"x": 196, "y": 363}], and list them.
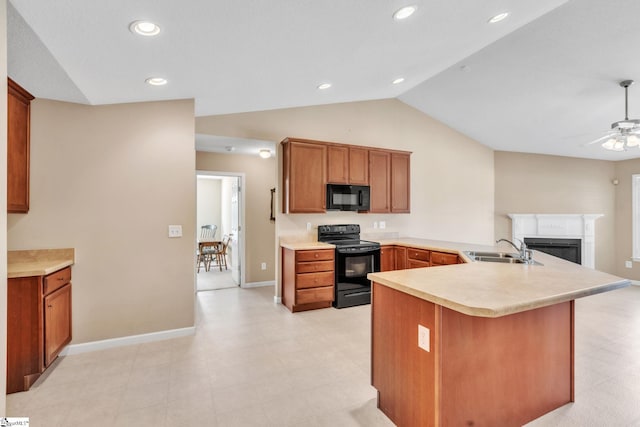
[{"x": 559, "y": 226}]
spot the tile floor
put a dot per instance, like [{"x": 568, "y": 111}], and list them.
[
  {"x": 214, "y": 279},
  {"x": 252, "y": 363}
]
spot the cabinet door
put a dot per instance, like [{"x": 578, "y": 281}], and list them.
[
  {"x": 18, "y": 123},
  {"x": 358, "y": 166},
  {"x": 387, "y": 258},
  {"x": 305, "y": 177},
  {"x": 400, "y": 183},
  {"x": 401, "y": 257},
  {"x": 380, "y": 181},
  {"x": 57, "y": 322},
  {"x": 337, "y": 164}
]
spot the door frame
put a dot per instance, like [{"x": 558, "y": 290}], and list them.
[{"x": 241, "y": 220}]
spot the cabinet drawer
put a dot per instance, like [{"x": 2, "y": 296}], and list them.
[
  {"x": 305, "y": 296},
  {"x": 319, "y": 255},
  {"x": 56, "y": 280},
  {"x": 311, "y": 267},
  {"x": 441, "y": 258},
  {"x": 313, "y": 280},
  {"x": 417, "y": 264},
  {"x": 418, "y": 254}
]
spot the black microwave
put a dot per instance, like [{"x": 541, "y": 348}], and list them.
[{"x": 348, "y": 197}]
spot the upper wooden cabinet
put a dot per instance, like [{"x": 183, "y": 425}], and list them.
[
  {"x": 304, "y": 176},
  {"x": 400, "y": 183},
  {"x": 380, "y": 181},
  {"x": 308, "y": 166},
  {"x": 389, "y": 177},
  {"x": 18, "y": 129},
  {"x": 347, "y": 165}
]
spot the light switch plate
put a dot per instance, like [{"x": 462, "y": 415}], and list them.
[
  {"x": 423, "y": 338},
  {"x": 175, "y": 231},
  {"x": 628, "y": 264}
]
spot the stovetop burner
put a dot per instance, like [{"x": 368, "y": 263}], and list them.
[{"x": 345, "y": 237}]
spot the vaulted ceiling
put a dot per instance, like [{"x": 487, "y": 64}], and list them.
[{"x": 544, "y": 80}]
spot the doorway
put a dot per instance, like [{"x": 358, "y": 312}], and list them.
[{"x": 219, "y": 202}]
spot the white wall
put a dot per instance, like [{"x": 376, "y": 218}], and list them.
[{"x": 209, "y": 203}]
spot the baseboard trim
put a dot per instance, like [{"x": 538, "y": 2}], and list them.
[
  {"x": 128, "y": 340},
  {"x": 259, "y": 284},
  {"x": 635, "y": 282},
  {"x": 277, "y": 300}
]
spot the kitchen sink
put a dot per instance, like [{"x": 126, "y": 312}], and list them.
[{"x": 501, "y": 257}]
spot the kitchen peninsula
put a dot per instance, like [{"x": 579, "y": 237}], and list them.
[{"x": 478, "y": 343}]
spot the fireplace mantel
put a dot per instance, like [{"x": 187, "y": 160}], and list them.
[{"x": 560, "y": 226}]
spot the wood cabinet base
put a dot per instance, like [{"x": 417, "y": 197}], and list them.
[
  {"x": 479, "y": 371},
  {"x": 38, "y": 325}
]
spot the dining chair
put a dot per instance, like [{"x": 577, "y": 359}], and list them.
[
  {"x": 221, "y": 252},
  {"x": 205, "y": 253}
]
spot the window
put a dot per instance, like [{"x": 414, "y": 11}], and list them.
[{"x": 635, "y": 207}]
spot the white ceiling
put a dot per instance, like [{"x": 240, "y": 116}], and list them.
[{"x": 544, "y": 80}]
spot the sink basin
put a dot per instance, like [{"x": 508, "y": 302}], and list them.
[
  {"x": 501, "y": 257},
  {"x": 473, "y": 254}
]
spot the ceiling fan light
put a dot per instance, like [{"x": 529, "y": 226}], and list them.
[
  {"x": 609, "y": 143},
  {"x": 618, "y": 146},
  {"x": 633, "y": 141}
]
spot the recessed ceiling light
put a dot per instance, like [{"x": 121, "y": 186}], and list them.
[
  {"x": 324, "y": 86},
  {"x": 398, "y": 80},
  {"x": 499, "y": 17},
  {"x": 156, "y": 81},
  {"x": 144, "y": 28},
  {"x": 404, "y": 12}
]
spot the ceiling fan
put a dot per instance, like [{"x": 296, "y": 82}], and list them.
[{"x": 625, "y": 133}]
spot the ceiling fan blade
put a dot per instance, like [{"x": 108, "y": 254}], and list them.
[{"x": 601, "y": 139}]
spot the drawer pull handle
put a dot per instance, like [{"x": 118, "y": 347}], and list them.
[
  {"x": 60, "y": 278},
  {"x": 50, "y": 306}
]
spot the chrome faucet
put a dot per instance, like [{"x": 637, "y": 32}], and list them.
[{"x": 526, "y": 254}]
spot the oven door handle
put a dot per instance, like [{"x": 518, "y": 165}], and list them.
[{"x": 360, "y": 198}]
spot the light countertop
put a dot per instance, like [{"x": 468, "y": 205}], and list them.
[
  {"x": 489, "y": 289},
  {"x": 38, "y": 262},
  {"x": 302, "y": 246}
]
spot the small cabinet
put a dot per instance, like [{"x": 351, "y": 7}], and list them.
[
  {"x": 387, "y": 258},
  {"x": 18, "y": 150},
  {"x": 417, "y": 258},
  {"x": 443, "y": 258},
  {"x": 389, "y": 177},
  {"x": 38, "y": 325},
  {"x": 304, "y": 176},
  {"x": 400, "y": 183},
  {"x": 347, "y": 164},
  {"x": 308, "y": 278},
  {"x": 380, "y": 181}
]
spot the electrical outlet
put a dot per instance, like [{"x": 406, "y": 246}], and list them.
[
  {"x": 628, "y": 264},
  {"x": 423, "y": 338},
  {"x": 175, "y": 231},
  {"x": 263, "y": 266},
  {"x": 383, "y": 224},
  {"x": 308, "y": 226},
  {"x": 375, "y": 224}
]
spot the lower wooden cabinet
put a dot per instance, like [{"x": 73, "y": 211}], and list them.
[
  {"x": 308, "y": 278},
  {"x": 38, "y": 325},
  {"x": 443, "y": 258},
  {"x": 394, "y": 257},
  {"x": 418, "y": 258},
  {"x": 387, "y": 258}
]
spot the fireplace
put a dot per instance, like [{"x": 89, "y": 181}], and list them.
[
  {"x": 569, "y": 249},
  {"x": 559, "y": 227}
]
